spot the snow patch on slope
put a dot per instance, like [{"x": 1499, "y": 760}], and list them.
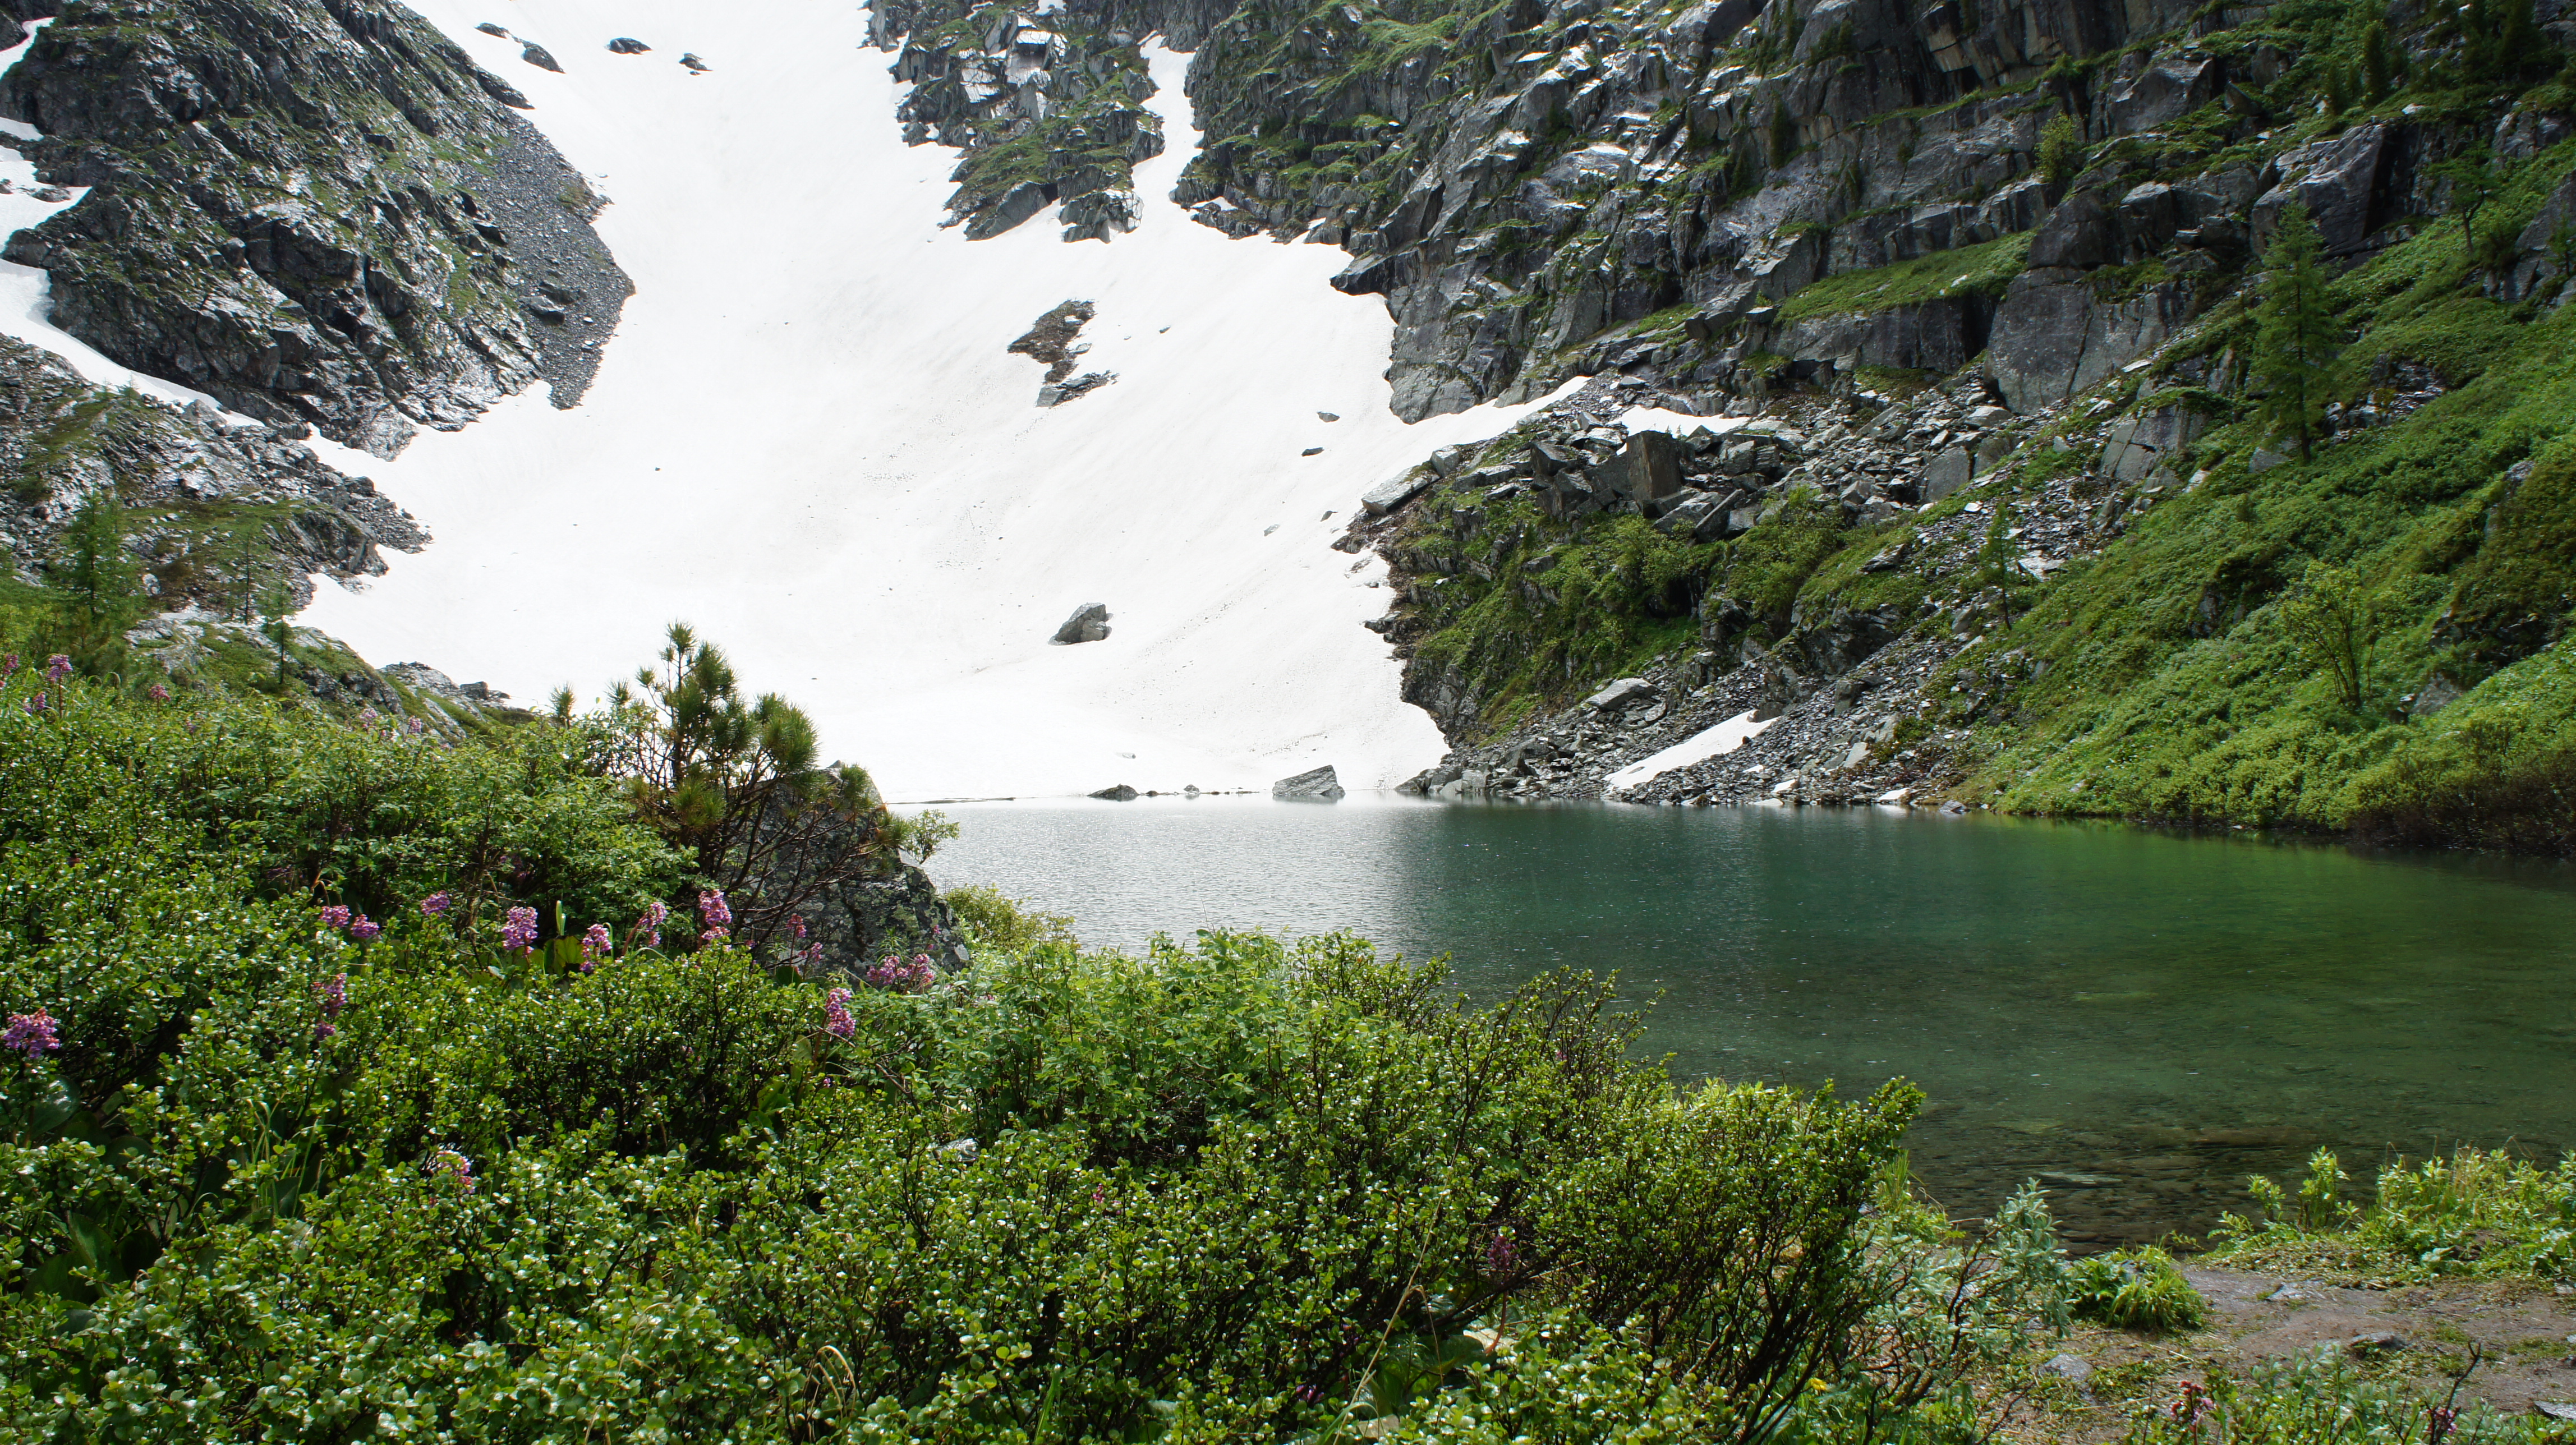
[
  {"x": 809, "y": 441},
  {"x": 1699, "y": 747}
]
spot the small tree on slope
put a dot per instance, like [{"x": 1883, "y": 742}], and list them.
[{"x": 2296, "y": 338}]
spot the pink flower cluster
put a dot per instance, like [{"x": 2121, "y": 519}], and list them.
[
  {"x": 30, "y": 1034},
  {"x": 436, "y": 905},
  {"x": 519, "y": 930},
  {"x": 901, "y": 977},
  {"x": 57, "y": 667},
  {"x": 836, "y": 1014},
  {"x": 714, "y": 915},
  {"x": 360, "y": 927},
  {"x": 595, "y": 945},
  {"x": 650, "y": 924},
  {"x": 334, "y": 994},
  {"x": 454, "y": 1166}
]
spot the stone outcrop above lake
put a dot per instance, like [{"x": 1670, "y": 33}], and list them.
[
  {"x": 1315, "y": 785},
  {"x": 454, "y": 265}
]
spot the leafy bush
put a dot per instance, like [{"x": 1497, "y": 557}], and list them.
[
  {"x": 2137, "y": 1290},
  {"x": 2320, "y": 1399},
  {"x": 2477, "y": 1212},
  {"x": 274, "y": 1167},
  {"x": 1006, "y": 925}
]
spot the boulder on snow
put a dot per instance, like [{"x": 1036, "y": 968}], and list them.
[
  {"x": 627, "y": 45},
  {"x": 1089, "y": 623},
  {"x": 1320, "y": 785},
  {"x": 1397, "y": 490},
  {"x": 537, "y": 56},
  {"x": 488, "y": 28},
  {"x": 1119, "y": 794}
]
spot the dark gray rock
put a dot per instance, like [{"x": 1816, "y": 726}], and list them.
[
  {"x": 538, "y": 56},
  {"x": 1089, "y": 623},
  {"x": 1626, "y": 692},
  {"x": 2344, "y": 183},
  {"x": 1947, "y": 473},
  {"x": 627, "y": 45},
  {"x": 1119, "y": 794},
  {"x": 198, "y": 125},
  {"x": 694, "y": 64},
  {"x": 1316, "y": 785}
]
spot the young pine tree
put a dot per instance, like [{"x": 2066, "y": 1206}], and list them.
[
  {"x": 2296, "y": 338},
  {"x": 2374, "y": 62},
  {"x": 102, "y": 585}
]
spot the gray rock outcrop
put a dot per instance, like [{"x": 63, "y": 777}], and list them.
[
  {"x": 453, "y": 264},
  {"x": 1316, "y": 785},
  {"x": 1089, "y": 623}
]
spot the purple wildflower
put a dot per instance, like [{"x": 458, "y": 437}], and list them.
[
  {"x": 366, "y": 714},
  {"x": 650, "y": 924},
  {"x": 2438, "y": 1425},
  {"x": 30, "y": 1034},
  {"x": 35, "y": 705},
  {"x": 157, "y": 693},
  {"x": 453, "y": 1165},
  {"x": 714, "y": 916},
  {"x": 8, "y": 664},
  {"x": 811, "y": 956},
  {"x": 1503, "y": 1254},
  {"x": 435, "y": 905},
  {"x": 57, "y": 667},
  {"x": 334, "y": 993},
  {"x": 901, "y": 977},
  {"x": 323, "y": 1031},
  {"x": 414, "y": 726},
  {"x": 595, "y": 946},
  {"x": 836, "y": 1014},
  {"x": 335, "y": 916},
  {"x": 519, "y": 930},
  {"x": 364, "y": 929},
  {"x": 796, "y": 926}
]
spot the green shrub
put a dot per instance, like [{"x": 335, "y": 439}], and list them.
[
  {"x": 2319, "y": 1399},
  {"x": 1003, "y": 924},
  {"x": 2477, "y": 1212},
  {"x": 2137, "y": 1290}
]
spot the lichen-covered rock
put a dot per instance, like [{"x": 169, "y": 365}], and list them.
[{"x": 316, "y": 211}]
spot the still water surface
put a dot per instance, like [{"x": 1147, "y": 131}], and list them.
[{"x": 2137, "y": 1017}]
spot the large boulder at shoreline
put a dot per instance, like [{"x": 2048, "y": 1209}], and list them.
[{"x": 1320, "y": 785}]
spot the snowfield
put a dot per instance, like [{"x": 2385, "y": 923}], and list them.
[{"x": 809, "y": 441}]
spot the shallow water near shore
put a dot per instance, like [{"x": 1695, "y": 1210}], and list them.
[{"x": 2138, "y": 1018}]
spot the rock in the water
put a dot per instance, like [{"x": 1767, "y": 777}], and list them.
[
  {"x": 538, "y": 56},
  {"x": 1089, "y": 623},
  {"x": 1320, "y": 784},
  {"x": 1119, "y": 794},
  {"x": 694, "y": 63},
  {"x": 627, "y": 45}
]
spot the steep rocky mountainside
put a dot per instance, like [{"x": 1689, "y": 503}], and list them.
[
  {"x": 316, "y": 211},
  {"x": 1993, "y": 497}
]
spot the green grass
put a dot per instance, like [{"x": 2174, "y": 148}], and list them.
[{"x": 1986, "y": 268}]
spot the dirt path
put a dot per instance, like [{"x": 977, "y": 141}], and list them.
[{"x": 2523, "y": 1334}]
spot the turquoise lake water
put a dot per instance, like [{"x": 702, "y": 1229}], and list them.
[{"x": 2138, "y": 1018}]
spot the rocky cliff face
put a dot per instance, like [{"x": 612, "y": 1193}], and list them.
[
  {"x": 317, "y": 211},
  {"x": 220, "y": 518}
]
